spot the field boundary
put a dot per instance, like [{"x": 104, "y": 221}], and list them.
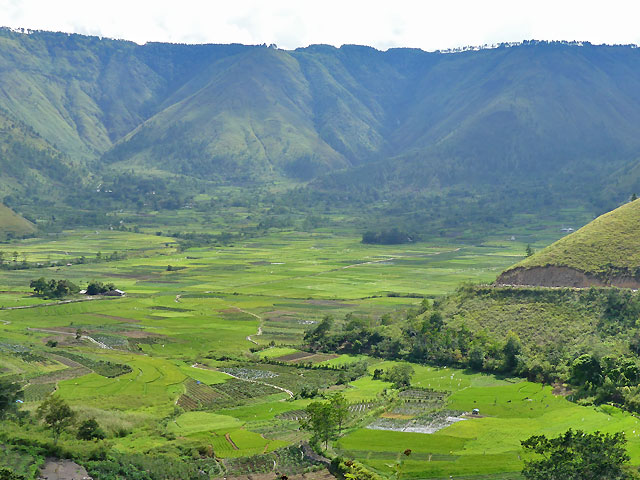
[{"x": 255, "y": 381}]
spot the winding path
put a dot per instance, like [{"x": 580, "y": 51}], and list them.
[
  {"x": 248, "y": 337},
  {"x": 255, "y": 381},
  {"x": 83, "y": 337}
]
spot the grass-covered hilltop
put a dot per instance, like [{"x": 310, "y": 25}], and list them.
[
  {"x": 13, "y": 225},
  {"x": 603, "y": 252}
]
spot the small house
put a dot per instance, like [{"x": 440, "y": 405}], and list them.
[{"x": 115, "y": 293}]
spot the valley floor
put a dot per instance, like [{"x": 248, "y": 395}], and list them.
[{"x": 215, "y": 371}]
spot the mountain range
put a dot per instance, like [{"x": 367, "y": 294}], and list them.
[{"x": 547, "y": 117}]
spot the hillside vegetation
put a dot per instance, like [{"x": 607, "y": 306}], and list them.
[
  {"x": 607, "y": 248},
  {"x": 12, "y": 224},
  {"x": 505, "y": 130}
]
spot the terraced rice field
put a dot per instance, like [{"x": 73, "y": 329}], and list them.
[{"x": 185, "y": 333}]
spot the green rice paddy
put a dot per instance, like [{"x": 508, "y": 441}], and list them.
[{"x": 176, "y": 328}]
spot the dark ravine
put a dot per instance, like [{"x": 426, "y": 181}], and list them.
[{"x": 560, "y": 276}]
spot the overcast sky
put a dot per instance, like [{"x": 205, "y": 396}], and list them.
[{"x": 429, "y": 25}]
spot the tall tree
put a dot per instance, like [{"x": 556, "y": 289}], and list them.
[
  {"x": 56, "y": 415},
  {"x": 320, "y": 421},
  {"x": 340, "y": 408}
]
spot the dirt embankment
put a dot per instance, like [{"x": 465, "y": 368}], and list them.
[
  {"x": 555, "y": 276},
  {"x": 55, "y": 469}
]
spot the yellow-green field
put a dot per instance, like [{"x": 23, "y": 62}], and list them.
[{"x": 186, "y": 332}]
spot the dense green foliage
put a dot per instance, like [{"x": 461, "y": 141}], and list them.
[
  {"x": 387, "y": 237},
  {"x": 56, "y": 414},
  {"x": 577, "y": 455},
  {"x": 430, "y": 143},
  {"x": 147, "y": 467},
  {"x": 589, "y": 338},
  {"x": 10, "y": 392},
  {"x": 53, "y": 288},
  {"x": 89, "y": 429},
  {"x": 326, "y": 419},
  {"x": 98, "y": 288}
]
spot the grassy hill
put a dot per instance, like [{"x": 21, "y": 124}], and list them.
[
  {"x": 607, "y": 250},
  {"x": 13, "y": 224}
]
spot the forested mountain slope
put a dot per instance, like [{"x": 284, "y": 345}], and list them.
[{"x": 531, "y": 118}]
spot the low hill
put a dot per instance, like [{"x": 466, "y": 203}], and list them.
[
  {"x": 12, "y": 224},
  {"x": 603, "y": 252}
]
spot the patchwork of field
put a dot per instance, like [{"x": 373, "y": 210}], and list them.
[
  {"x": 170, "y": 365},
  {"x": 489, "y": 443}
]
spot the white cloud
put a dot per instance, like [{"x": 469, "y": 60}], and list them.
[{"x": 292, "y": 23}]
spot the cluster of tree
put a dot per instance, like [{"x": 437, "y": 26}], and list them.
[
  {"x": 62, "y": 288},
  {"x": 58, "y": 417},
  {"x": 98, "y": 288},
  {"x": 399, "y": 375},
  {"x": 425, "y": 336},
  {"x": 53, "y": 288},
  {"x": 17, "y": 261},
  {"x": 576, "y": 455},
  {"x": 387, "y": 237},
  {"x": 422, "y": 340},
  {"x": 54, "y": 412},
  {"x": 326, "y": 420},
  {"x": 609, "y": 379},
  {"x": 196, "y": 239}
]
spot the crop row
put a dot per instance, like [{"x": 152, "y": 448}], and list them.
[
  {"x": 290, "y": 460},
  {"x": 293, "y": 415},
  {"x": 199, "y": 395},
  {"x": 232, "y": 392},
  {"x": 296, "y": 378},
  {"x": 101, "y": 367},
  {"x": 112, "y": 341},
  {"x": 240, "y": 389},
  {"x": 38, "y": 391},
  {"x": 59, "y": 375},
  {"x": 249, "y": 373},
  {"x": 361, "y": 407},
  {"x": 12, "y": 348}
]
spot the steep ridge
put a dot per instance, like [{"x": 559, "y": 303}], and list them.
[
  {"x": 250, "y": 114},
  {"x": 547, "y": 116},
  {"x": 29, "y": 165},
  {"x": 603, "y": 252}
]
